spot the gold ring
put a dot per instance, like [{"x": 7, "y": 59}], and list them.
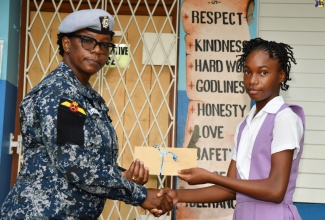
[{"x": 134, "y": 178}]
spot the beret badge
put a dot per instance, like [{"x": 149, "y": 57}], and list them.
[{"x": 105, "y": 22}]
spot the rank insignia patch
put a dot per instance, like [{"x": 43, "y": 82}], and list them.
[{"x": 73, "y": 106}]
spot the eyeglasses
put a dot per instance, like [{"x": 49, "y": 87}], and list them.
[{"x": 89, "y": 43}]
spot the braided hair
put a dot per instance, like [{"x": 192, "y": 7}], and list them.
[{"x": 280, "y": 51}]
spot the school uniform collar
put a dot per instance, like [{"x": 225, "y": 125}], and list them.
[{"x": 272, "y": 107}]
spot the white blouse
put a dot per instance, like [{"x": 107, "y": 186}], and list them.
[{"x": 287, "y": 133}]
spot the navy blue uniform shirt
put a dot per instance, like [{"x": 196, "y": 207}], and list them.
[{"x": 70, "y": 152}]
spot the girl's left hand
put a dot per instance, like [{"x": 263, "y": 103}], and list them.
[
  {"x": 137, "y": 173},
  {"x": 195, "y": 176}
]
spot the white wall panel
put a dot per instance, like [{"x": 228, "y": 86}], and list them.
[
  {"x": 315, "y": 137},
  {"x": 315, "y": 123},
  {"x": 305, "y": 94},
  {"x": 312, "y": 166},
  {"x": 307, "y": 180},
  {"x": 295, "y": 37},
  {"x": 308, "y": 66},
  {"x": 313, "y": 152},
  {"x": 296, "y": 2},
  {"x": 309, "y": 195},
  {"x": 309, "y": 52},
  {"x": 307, "y": 80},
  {"x": 292, "y": 24},
  {"x": 286, "y": 10}
]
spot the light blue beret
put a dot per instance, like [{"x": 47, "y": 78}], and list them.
[{"x": 95, "y": 20}]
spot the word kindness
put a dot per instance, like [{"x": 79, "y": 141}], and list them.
[{"x": 216, "y": 45}]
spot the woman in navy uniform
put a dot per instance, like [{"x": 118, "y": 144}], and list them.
[{"x": 70, "y": 145}]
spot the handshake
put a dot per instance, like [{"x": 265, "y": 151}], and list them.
[{"x": 158, "y": 202}]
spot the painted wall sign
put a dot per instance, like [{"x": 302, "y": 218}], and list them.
[{"x": 213, "y": 90}]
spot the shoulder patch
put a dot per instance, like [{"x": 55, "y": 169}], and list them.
[{"x": 73, "y": 106}]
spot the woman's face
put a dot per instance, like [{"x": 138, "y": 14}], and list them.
[
  {"x": 262, "y": 77},
  {"x": 85, "y": 62}
]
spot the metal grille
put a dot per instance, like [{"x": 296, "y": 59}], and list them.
[{"x": 141, "y": 95}]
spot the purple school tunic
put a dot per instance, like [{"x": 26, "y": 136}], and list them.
[{"x": 248, "y": 208}]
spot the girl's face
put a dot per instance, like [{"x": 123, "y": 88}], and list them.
[{"x": 262, "y": 77}]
